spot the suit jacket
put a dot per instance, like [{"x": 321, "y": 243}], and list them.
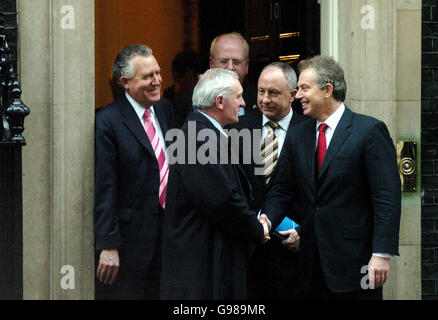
[
  {"x": 207, "y": 226},
  {"x": 352, "y": 208},
  {"x": 252, "y": 121},
  {"x": 127, "y": 179},
  {"x": 273, "y": 268}
]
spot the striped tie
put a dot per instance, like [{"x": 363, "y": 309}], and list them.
[
  {"x": 269, "y": 150},
  {"x": 159, "y": 153}
]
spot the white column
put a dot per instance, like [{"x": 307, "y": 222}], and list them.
[
  {"x": 34, "y": 67},
  {"x": 380, "y": 51},
  {"x": 57, "y": 70},
  {"x": 408, "y": 100},
  {"x": 329, "y": 28}
]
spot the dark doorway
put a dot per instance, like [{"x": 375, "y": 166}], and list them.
[
  {"x": 276, "y": 30},
  {"x": 284, "y": 30}
]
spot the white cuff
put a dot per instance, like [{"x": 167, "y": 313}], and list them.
[{"x": 383, "y": 255}]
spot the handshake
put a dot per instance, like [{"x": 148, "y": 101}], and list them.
[{"x": 291, "y": 238}]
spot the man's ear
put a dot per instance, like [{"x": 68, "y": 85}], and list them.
[
  {"x": 220, "y": 102},
  {"x": 328, "y": 90},
  {"x": 293, "y": 93},
  {"x": 124, "y": 82}
]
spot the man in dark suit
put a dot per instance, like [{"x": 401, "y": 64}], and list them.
[
  {"x": 208, "y": 223},
  {"x": 131, "y": 174},
  {"x": 273, "y": 268},
  {"x": 342, "y": 168}
]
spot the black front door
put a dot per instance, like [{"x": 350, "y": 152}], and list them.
[{"x": 276, "y": 30}]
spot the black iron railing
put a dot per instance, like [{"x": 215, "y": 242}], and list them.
[
  {"x": 12, "y": 114},
  {"x": 12, "y": 109}
]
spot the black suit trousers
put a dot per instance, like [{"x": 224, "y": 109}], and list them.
[
  {"x": 320, "y": 291},
  {"x": 142, "y": 284},
  {"x": 272, "y": 272}
]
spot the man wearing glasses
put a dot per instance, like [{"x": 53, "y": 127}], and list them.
[{"x": 230, "y": 51}]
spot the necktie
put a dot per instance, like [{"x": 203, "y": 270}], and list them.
[
  {"x": 269, "y": 150},
  {"x": 322, "y": 145},
  {"x": 159, "y": 153}
]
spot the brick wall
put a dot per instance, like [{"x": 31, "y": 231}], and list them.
[
  {"x": 9, "y": 10},
  {"x": 429, "y": 146}
]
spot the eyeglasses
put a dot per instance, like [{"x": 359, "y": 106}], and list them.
[{"x": 224, "y": 62}]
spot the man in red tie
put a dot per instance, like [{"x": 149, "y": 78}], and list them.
[
  {"x": 342, "y": 167},
  {"x": 131, "y": 175}
]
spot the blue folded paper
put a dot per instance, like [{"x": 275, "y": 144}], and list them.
[{"x": 286, "y": 224}]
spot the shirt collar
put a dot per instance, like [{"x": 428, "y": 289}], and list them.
[
  {"x": 283, "y": 123},
  {"x": 137, "y": 107},
  {"x": 333, "y": 120},
  {"x": 214, "y": 122}
]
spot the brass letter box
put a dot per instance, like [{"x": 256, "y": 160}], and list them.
[{"x": 407, "y": 165}]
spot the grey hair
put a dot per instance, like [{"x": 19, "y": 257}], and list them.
[
  {"x": 123, "y": 65},
  {"x": 327, "y": 71},
  {"x": 213, "y": 83},
  {"x": 288, "y": 72}
]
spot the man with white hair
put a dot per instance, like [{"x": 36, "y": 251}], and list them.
[
  {"x": 131, "y": 175},
  {"x": 208, "y": 225}
]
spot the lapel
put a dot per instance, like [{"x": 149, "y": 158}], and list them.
[
  {"x": 237, "y": 169},
  {"x": 205, "y": 122},
  {"x": 340, "y": 135},
  {"x": 291, "y": 122},
  {"x": 294, "y": 120},
  {"x": 251, "y": 121},
  {"x": 255, "y": 120},
  {"x": 133, "y": 124},
  {"x": 307, "y": 145},
  {"x": 160, "y": 111},
  {"x": 256, "y": 123}
]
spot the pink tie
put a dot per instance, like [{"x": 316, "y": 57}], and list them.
[
  {"x": 322, "y": 145},
  {"x": 159, "y": 153}
]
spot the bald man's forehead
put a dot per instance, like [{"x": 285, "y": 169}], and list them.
[{"x": 230, "y": 46}]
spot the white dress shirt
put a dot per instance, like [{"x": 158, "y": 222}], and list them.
[
  {"x": 332, "y": 122},
  {"x": 140, "y": 112}
]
